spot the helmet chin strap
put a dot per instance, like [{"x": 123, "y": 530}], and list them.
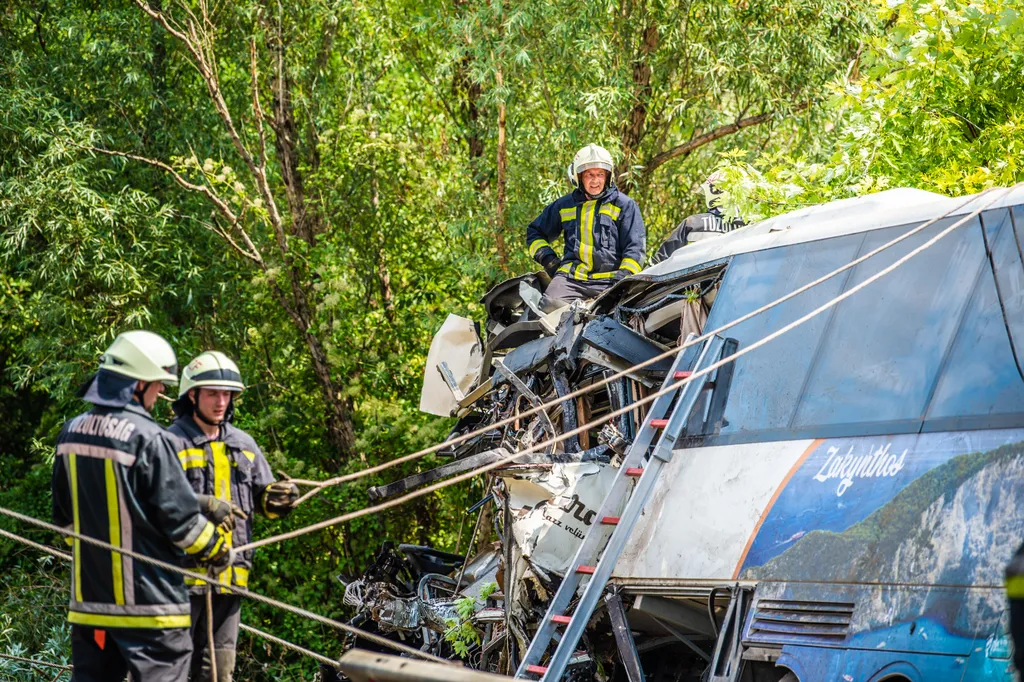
[
  {"x": 197, "y": 413},
  {"x": 139, "y": 393}
]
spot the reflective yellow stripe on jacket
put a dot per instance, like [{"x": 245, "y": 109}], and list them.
[
  {"x": 114, "y": 518},
  {"x": 192, "y": 458},
  {"x": 221, "y": 475},
  {"x": 537, "y": 245},
  {"x": 98, "y": 620},
  {"x": 235, "y": 575},
  {"x": 586, "y": 240},
  {"x": 631, "y": 265},
  {"x": 76, "y": 524}
]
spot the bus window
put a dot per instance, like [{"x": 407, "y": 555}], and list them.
[
  {"x": 927, "y": 339},
  {"x": 883, "y": 349},
  {"x": 767, "y": 383},
  {"x": 980, "y": 384}
]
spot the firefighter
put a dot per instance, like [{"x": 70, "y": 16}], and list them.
[
  {"x": 232, "y": 479},
  {"x": 116, "y": 478},
  {"x": 712, "y": 223},
  {"x": 604, "y": 233}
]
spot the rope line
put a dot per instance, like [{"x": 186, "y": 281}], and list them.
[
  {"x": 44, "y": 664},
  {"x": 646, "y": 363},
  {"x": 69, "y": 559},
  {"x": 629, "y": 408},
  {"x": 199, "y": 576},
  {"x": 288, "y": 645}
]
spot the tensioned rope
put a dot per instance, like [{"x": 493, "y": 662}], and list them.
[
  {"x": 321, "y": 485},
  {"x": 199, "y": 576},
  {"x": 288, "y": 645},
  {"x": 668, "y": 388},
  {"x": 67, "y": 557}
]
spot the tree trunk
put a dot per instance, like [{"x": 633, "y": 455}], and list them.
[
  {"x": 306, "y": 222},
  {"x": 502, "y": 176},
  {"x": 635, "y": 126}
]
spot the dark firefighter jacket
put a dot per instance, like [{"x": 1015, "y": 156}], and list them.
[
  {"x": 601, "y": 235},
  {"x": 694, "y": 229},
  {"x": 116, "y": 478},
  {"x": 232, "y": 468}
]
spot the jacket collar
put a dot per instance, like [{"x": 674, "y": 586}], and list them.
[{"x": 135, "y": 408}]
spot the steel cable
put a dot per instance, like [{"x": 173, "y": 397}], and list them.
[
  {"x": 67, "y": 557},
  {"x": 383, "y": 641},
  {"x": 671, "y": 387},
  {"x": 319, "y": 486}
]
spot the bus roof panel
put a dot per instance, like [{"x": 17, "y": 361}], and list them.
[{"x": 901, "y": 206}]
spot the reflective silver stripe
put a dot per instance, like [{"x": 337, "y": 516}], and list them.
[
  {"x": 127, "y": 563},
  {"x": 130, "y": 610},
  {"x": 97, "y": 452},
  {"x": 198, "y": 526}
]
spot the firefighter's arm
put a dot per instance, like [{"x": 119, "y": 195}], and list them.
[
  {"x": 175, "y": 507},
  {"x": 541, "y": 232},
  {"x": 632, "y": 238}
]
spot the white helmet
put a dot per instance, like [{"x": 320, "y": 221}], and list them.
[
  {"x": 571, "y": 172},
  {"x": 211, "y": 369},
  {"x": 591, "y": 156},
  {"x": 712, "y": 194},
  {"x": 141, "y": 355}
]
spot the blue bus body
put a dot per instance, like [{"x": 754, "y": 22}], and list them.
[{"x": 864, "y": 487}]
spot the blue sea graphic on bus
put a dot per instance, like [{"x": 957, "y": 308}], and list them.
[
  {"x": 846, "y": 480},
  {"x": 909, "y": 534}
]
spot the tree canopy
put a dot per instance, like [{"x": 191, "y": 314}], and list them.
[{"x": 312, "y": 187}]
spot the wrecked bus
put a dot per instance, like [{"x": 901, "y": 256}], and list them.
[{"x": 843, "y": 500}]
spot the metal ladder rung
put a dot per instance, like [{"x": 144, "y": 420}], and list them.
[
  {"x": 659, "y": 423},
  {"x": 634, "y": 471},
  {"x": 561, "y": 620},
  {"x": 610, "y": 520},
  {"x": 586, "y": 570},
  {"x": 537, "y": 669},
  {"x": 682, "y": 375}
]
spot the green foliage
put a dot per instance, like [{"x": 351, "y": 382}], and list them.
[
  {"x": 461, "y": 634},
  {"x": 934, "y": 102},
  {"x": 393, "y": 133}
]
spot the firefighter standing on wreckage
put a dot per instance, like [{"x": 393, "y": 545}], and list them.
[
  {"x": 116, "y": 478},
  {"x": 605, "y": 238},
  {"x": 231, "y": 478}
]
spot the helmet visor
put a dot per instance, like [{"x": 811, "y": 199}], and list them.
[{"x": 594, "y": 164}]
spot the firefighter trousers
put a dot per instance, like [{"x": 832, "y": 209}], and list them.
[
  {"x": 227, "y": 614},
  {"x": 107, "y": 655}
]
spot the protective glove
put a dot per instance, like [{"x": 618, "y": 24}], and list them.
[
  {"x": 221, "y": 561},
  {"x": 220, "y": 556},
  {"x": 279, "y": 499},
  {"x": 223, "y": 514},
  {"x": 551, "y": 263},
  {"x": 620, "y": 275}
]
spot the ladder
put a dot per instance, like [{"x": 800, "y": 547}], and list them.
[{"x": 603, "y": 544}]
